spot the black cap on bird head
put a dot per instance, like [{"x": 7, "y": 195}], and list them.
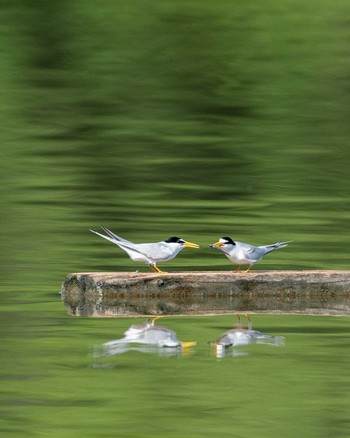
[
  {"x": 227, "y": 240},
  {"x": 174, "y": 240}
]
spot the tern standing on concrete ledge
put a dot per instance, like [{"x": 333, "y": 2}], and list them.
[
  {"x": 244, "y": 254},
  {"x": 150, "y": 253}
]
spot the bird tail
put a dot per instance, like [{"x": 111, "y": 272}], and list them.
[
  {"x": 278, "y": 341},
  {"x": 114, "y": 236},
  {"x": 277, "y": 245},
  {"x": 117, "y": 240},
  {"x": 111, "y": 239}
]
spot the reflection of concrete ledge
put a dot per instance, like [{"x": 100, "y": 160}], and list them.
[{"x": 199, "y": 293}]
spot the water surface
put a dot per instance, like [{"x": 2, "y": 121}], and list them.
[
  {"x": 53, "y": 386},
  {"x": 175, "y": 118}
]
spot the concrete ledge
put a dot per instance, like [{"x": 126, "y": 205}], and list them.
[{"x": 198, "y": 293}]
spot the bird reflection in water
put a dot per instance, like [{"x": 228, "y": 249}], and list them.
[
  {"x": 243, "y": 334},
  {"x": 146, "y": 338}
]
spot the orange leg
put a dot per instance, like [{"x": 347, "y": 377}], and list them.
[
  {"x": 239, "y": 325},
  {"x": 156, "y": 270},
  {"x": 239, "y": 267},
  {"x": 154, "y": 319},
  {"x": 250, "y": 267}
]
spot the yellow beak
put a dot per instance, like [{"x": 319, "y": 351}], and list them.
[
  {"x": 188, "y": 344},
  {"x": 218, "y": 244},
  {"x": 190, "y": 245}
]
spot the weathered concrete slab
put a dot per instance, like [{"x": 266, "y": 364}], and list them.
[{"x": 196, "y": 293}]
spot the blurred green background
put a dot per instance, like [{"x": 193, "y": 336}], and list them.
[{"x": 196, "y": 119}]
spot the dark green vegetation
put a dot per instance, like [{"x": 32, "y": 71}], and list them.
[{"x": 197, "y": 119}]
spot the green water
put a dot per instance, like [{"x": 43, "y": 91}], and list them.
[
  {"x": 52, "y": 387},
  {"x": 196, "y": 119}
]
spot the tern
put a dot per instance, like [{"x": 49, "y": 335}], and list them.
[
  {"x": 150, "y": 253},
  {"x": 149, "y": 333},
  {"x": 244, "y": 335},
  {"x": 242, "y": 253}
]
